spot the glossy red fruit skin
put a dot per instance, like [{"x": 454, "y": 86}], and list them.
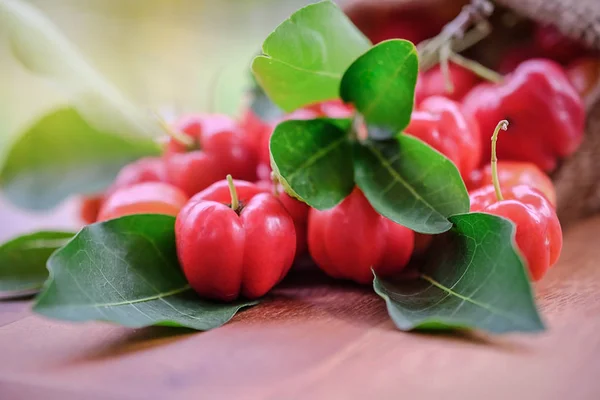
[
  {"x": 349, "y": 239},
  {"x": 545, "y": 113},
  {"x": 143, "y": 198},
  {"x": 584, "y": 74},
  {"x": 298, "y": 210},
  {"x": 440, "y": 123},
  {"x": 225, "y": 255},
  {"x": 147, "y": 169},
  {"x": 513, "y": 173},
  {"x": 538, "y": 231},
  {"x": 433, "y": 83},
  {"x": 222, "y": 149}
]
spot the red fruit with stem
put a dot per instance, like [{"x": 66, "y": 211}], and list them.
[
  {"x": 143, "y": 198},
  {"x": 538, "y": 232},
  {"x": 547, "y": 115},
  {"x": 440, "y": 123},
  {"x": 215, "y": 146},
  {"x": 350, "y": 239},
  {"x": 243, "y": 247},
  {"x": 513, "y": 173}
]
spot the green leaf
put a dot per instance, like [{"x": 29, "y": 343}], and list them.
[
  {"x": 474, "y": 278},
  {"x": 42, "y": 49},
  {"x": 23, "y": 261},
  {"x": 126, "y": 271},
  {"x": 60, "y": 155},
  {"x": 313, "y": 160},
  {"x": 410, "y": 183},
  {"x": 305, "y": 57},
  {"x": 381, "y": 85}
]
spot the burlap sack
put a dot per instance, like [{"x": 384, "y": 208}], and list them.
[{"x": 578, "y": 178}]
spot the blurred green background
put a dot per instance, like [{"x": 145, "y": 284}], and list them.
[{"x": 171, "y": 55}]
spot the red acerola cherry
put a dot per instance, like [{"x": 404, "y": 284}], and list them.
[
  {"x": 143, "y": 198},
  {"x": 243, "y": 248},
  {"x": 220, "y": 148},
  {"x": 350, "y": 239}
]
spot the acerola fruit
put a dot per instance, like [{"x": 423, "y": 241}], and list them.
[
  {"x": 350, "y": 239},
  {"x": 220, "y": 149},
  {"x": 243, "y": 247},
  {"x": 143, "y": 198}
]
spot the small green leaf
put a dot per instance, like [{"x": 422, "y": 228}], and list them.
[
  {"x": 305, "y": 57},
  {"x": 126, "y": 271},
  {"x": 410, "y": 183},
  {"x": 43, "y": 50},
  {"x": 61, "y": 155},
  {"x": 313, "y": 160},
  {"x": 474, "y": 278},
  {"x": 381, "y": 85},
  {"x": 23, "y": 261}
]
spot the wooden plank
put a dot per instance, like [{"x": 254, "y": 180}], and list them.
[{"x": 321, "y": 340}]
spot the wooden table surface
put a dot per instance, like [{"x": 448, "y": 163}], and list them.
[{"x": 318, "y": 340}]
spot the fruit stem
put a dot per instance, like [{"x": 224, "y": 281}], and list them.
[
  {"x": 179, "y": 137},
  {"x": 235, "y": 202},
  {"x": 445, "y": 68},
  {"x": 454, "y": 33},
  {"x": 495, "y": 180},
  {"x": 477, "y": 68}
]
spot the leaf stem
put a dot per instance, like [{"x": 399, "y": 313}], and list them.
[
  {"x": 479, "y": 69},
  {"x": 235, "y": 202},
  {"x": 495, "y": 180}
]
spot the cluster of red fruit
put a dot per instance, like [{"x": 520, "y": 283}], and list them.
[{"x": 240, "y": 237}]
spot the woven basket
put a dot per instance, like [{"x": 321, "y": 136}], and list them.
[{"x": 577, "y": 179}]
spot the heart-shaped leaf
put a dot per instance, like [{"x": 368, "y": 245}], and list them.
[
  {"x": 305, "y": 57},
  {"x": 23, "y": 261},
  {"x": 126, "y": 271},
  {"x": 61, "y": 155},
  {"x": 474, "y": 278},
  {"x": 409, "y": 182},
  {"x": 42, "y": 49},
  {"x": 313, "y": 160},
  {"x": 381, "y": 85}
]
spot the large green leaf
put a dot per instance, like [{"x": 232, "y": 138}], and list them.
[
  {"x": 126, "y": 271},
  {"x": 474, "y": 278},
  {"x": 313, "y": 160},
  {"x": 381, "y": 85},
  {"x": 409, "y": 182},
  {"x": 62, "y": 154},
  {"x": 305, "y": 57},
  {"x": 42, "y": 49},
  {"x": 23, "y": 261}
]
